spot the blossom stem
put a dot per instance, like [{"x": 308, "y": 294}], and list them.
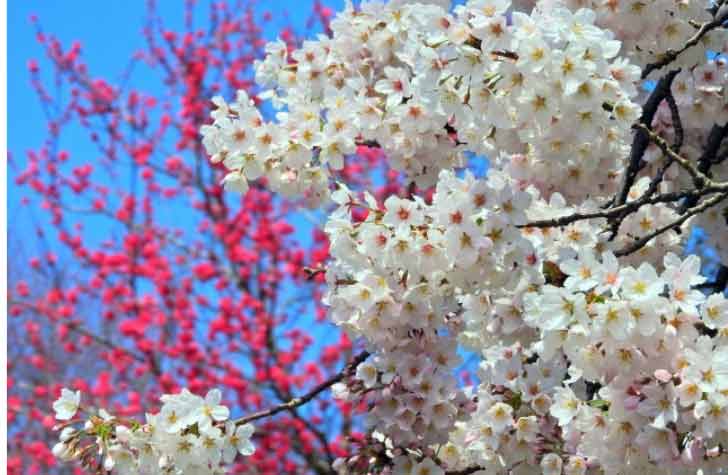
[{"x": 301, "y": 400}]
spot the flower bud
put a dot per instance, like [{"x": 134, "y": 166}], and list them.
[
  {"x": 67, "y": 433},
  {"x": 60, "y": 450},
  {"x": 108, "y": 463}
]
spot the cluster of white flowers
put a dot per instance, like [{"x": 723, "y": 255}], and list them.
[
  {"x": 700, "y": 94},
  {"x": 553, "y": 243},
  {"x": 544, "y": 91},
  {"x": 629, "y": 374},
  {"x": 650, "y": 29},
  {"x": 190, "y": 435},
  {"x": 397, "y": 278}
]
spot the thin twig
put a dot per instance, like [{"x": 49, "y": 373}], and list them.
[
  {"x": 628, "y": 207},
  {"x": 700, "y": 179},
  {"x": 639, "y": 243},
  {"x": 465, "y": 471},
  {"x": 301, "y": 400},
  {"x": 671, "y": 55}
]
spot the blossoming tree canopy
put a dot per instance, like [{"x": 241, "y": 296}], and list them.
[{"x": 603, "y": 348}]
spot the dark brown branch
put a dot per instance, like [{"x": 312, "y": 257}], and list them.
[
  {"x": 676, "y": 122},
  {"x": 671, "y": 55},
  {"x": 700, "y": 179},
  {"x": 465, "y": 471},
  {"x": 708, "y": 158},
  {"x": 311, "y": 428},
  {"x": 641, "y": 138},
  {"x": 301, "y": 400},
  {"x": 720, "y": 282},
  {"x": 76, "y": 327},
  {"x": 640, "y": 243},
  {"x": 629, "y": 207},
  {"x": 657, "y": 179},
  {"x": 369, "y": 143},
  {"x": 147, "y": 358}
]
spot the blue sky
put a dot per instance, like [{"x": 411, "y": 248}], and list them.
[{"x": 110, "y": 31}]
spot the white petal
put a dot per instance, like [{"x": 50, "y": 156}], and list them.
[
  {"x": 220, "y": 413},
  {"x": 246, "y": 448},
  {"x": 245, "y": 431},
  {"x": 213, "y": 397}
]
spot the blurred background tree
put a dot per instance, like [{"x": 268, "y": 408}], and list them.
[{"x": 132, "y": 274}]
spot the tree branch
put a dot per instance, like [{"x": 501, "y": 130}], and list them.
[
  {"x": 720, "y": 282},
  {"x": 465, "y": 471},
  {"x": 301, "y": 400},
  {"x": 76, "y": 327},
  {"x": 676, "y": 122},
  {"x": 671, "y": 55},
  {"x": 641, "y": 139},
  {"x": 639, "y": 243},
  {"x": 700, "y": 179},
  {"x": 629, "y": 207},
  {"x": 708, "y": 158}
]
